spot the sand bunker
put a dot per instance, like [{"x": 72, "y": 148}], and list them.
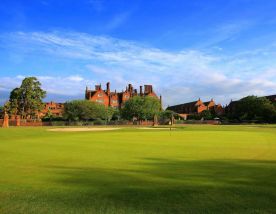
[
  {"x": 149, "y": 128},
  {"x": 81, "y": 129}
]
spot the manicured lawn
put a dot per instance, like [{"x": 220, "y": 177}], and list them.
[{"x": 195, "y": 169}]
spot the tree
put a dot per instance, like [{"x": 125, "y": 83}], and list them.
[
  {"x": 116, "y": 114},
  {"x": 27, "y": 99},
  {"x": 86, "y": 110},
  {"x": 255, "y": 108},
  {"x": 141, "y": 108},
  {"x": 207, "y": 115},
  {"x": 1, "y": 111},
  {"x": 13, "y": 104},
  {"x": 133, "y": 108},
  {"x": 166, "y": 116},
  {"x": 151, "y": 107},
  {"x": 109, "y": 112}
]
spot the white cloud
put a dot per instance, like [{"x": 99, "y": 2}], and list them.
[
  {"x": 179, "y": 76},
  {"x": 20, "y": 77},
  {"x": 97, "y": 69},
  {"x": 75, "y": 78},
  {"x": 71, "y": 85}
]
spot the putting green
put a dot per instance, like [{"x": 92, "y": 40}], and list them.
[{"x": 194, "y": 169}]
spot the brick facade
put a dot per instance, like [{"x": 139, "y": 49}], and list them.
[
  {"x": 56, "y": 109},
  {"x": 117, "y": 99},
  {"x": 196, "y": 107}
]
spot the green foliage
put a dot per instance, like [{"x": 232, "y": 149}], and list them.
[
  {"x": 108, "y": 113},
  {"x": 86, "y": 110},
  {"x": 151, "y": 107},
  {"x": 207, "y": 115},
  {"x": 27, "y": 99},
  {"x": 14, "y": 101},
  {"x": 166, "y": 116},
  {"x": 1, "y": 111},
  {"x": 51, "y": 117},
  {"x": 99, "y": 122},
  {"x": 255, "y": 108},
  {"x": 141, "y": 108},
  {"x": 133, "y": 108},
  {"x": 116, "y": 114}
]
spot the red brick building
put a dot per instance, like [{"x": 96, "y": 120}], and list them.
[
  {"x": 117, "y": 99},
  {"x": 196, "y": 107},
  {"x": 55, "y": 109}
]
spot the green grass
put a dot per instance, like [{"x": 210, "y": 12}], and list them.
[{"x": 195, "y": 169}]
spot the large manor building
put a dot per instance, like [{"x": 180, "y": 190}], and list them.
[
  {"x": 103, "y": 96},
  {"x": 117, "y": 99}
]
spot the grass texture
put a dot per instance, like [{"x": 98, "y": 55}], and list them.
[{"x": 192, "y": 169}]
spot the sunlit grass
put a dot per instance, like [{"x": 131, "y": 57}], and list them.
[{"x": 193, "y": 169}]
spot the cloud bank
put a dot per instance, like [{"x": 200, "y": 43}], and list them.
[{"x": 179, "y": 76}]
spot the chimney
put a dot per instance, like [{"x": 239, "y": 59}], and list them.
[
  {"x": 141, "y": 90},
  {"x": 148, "y": 89},
  {"x": 107, "y": 87},
  {"x": 130, "y": 87},
  {"x": 97, "y": 87}
]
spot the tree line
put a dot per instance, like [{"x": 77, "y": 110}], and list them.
[
  {"x": 252, "y": 108},
  {"x": 27, "y": 101}
]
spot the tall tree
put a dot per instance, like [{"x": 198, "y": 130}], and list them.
[
  {"x": 13, "y": 104},
  {"x": 27, "y": 99},
  {"x": 151, "y": 107},
  {"x": 133, "y": 108},
  {"x": 141, "y": 108}
]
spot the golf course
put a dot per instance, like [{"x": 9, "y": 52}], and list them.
[{"x": 189, "y": 169}]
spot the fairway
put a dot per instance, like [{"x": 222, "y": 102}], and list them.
[{"x": 192, "y": 169}]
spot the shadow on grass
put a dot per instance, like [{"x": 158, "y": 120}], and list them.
[{"x": 171, "y": 186}]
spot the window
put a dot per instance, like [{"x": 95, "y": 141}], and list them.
[
  {"x": 100, "y": 95},
  {"x": 126, "y": 96},
  {"x": 114, "y": 101},
  {"x": 99, "y": 101}
]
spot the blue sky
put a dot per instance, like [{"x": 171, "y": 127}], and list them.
[{"x": 187, "y": 49}]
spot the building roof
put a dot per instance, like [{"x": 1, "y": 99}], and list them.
[{"x": 190, "y": 104}]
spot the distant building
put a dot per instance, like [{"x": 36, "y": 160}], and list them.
[
  {"x": 55, "y": 109},
  {"x": 196, "y": 107},
  {"x": 117, "y": 99}
]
